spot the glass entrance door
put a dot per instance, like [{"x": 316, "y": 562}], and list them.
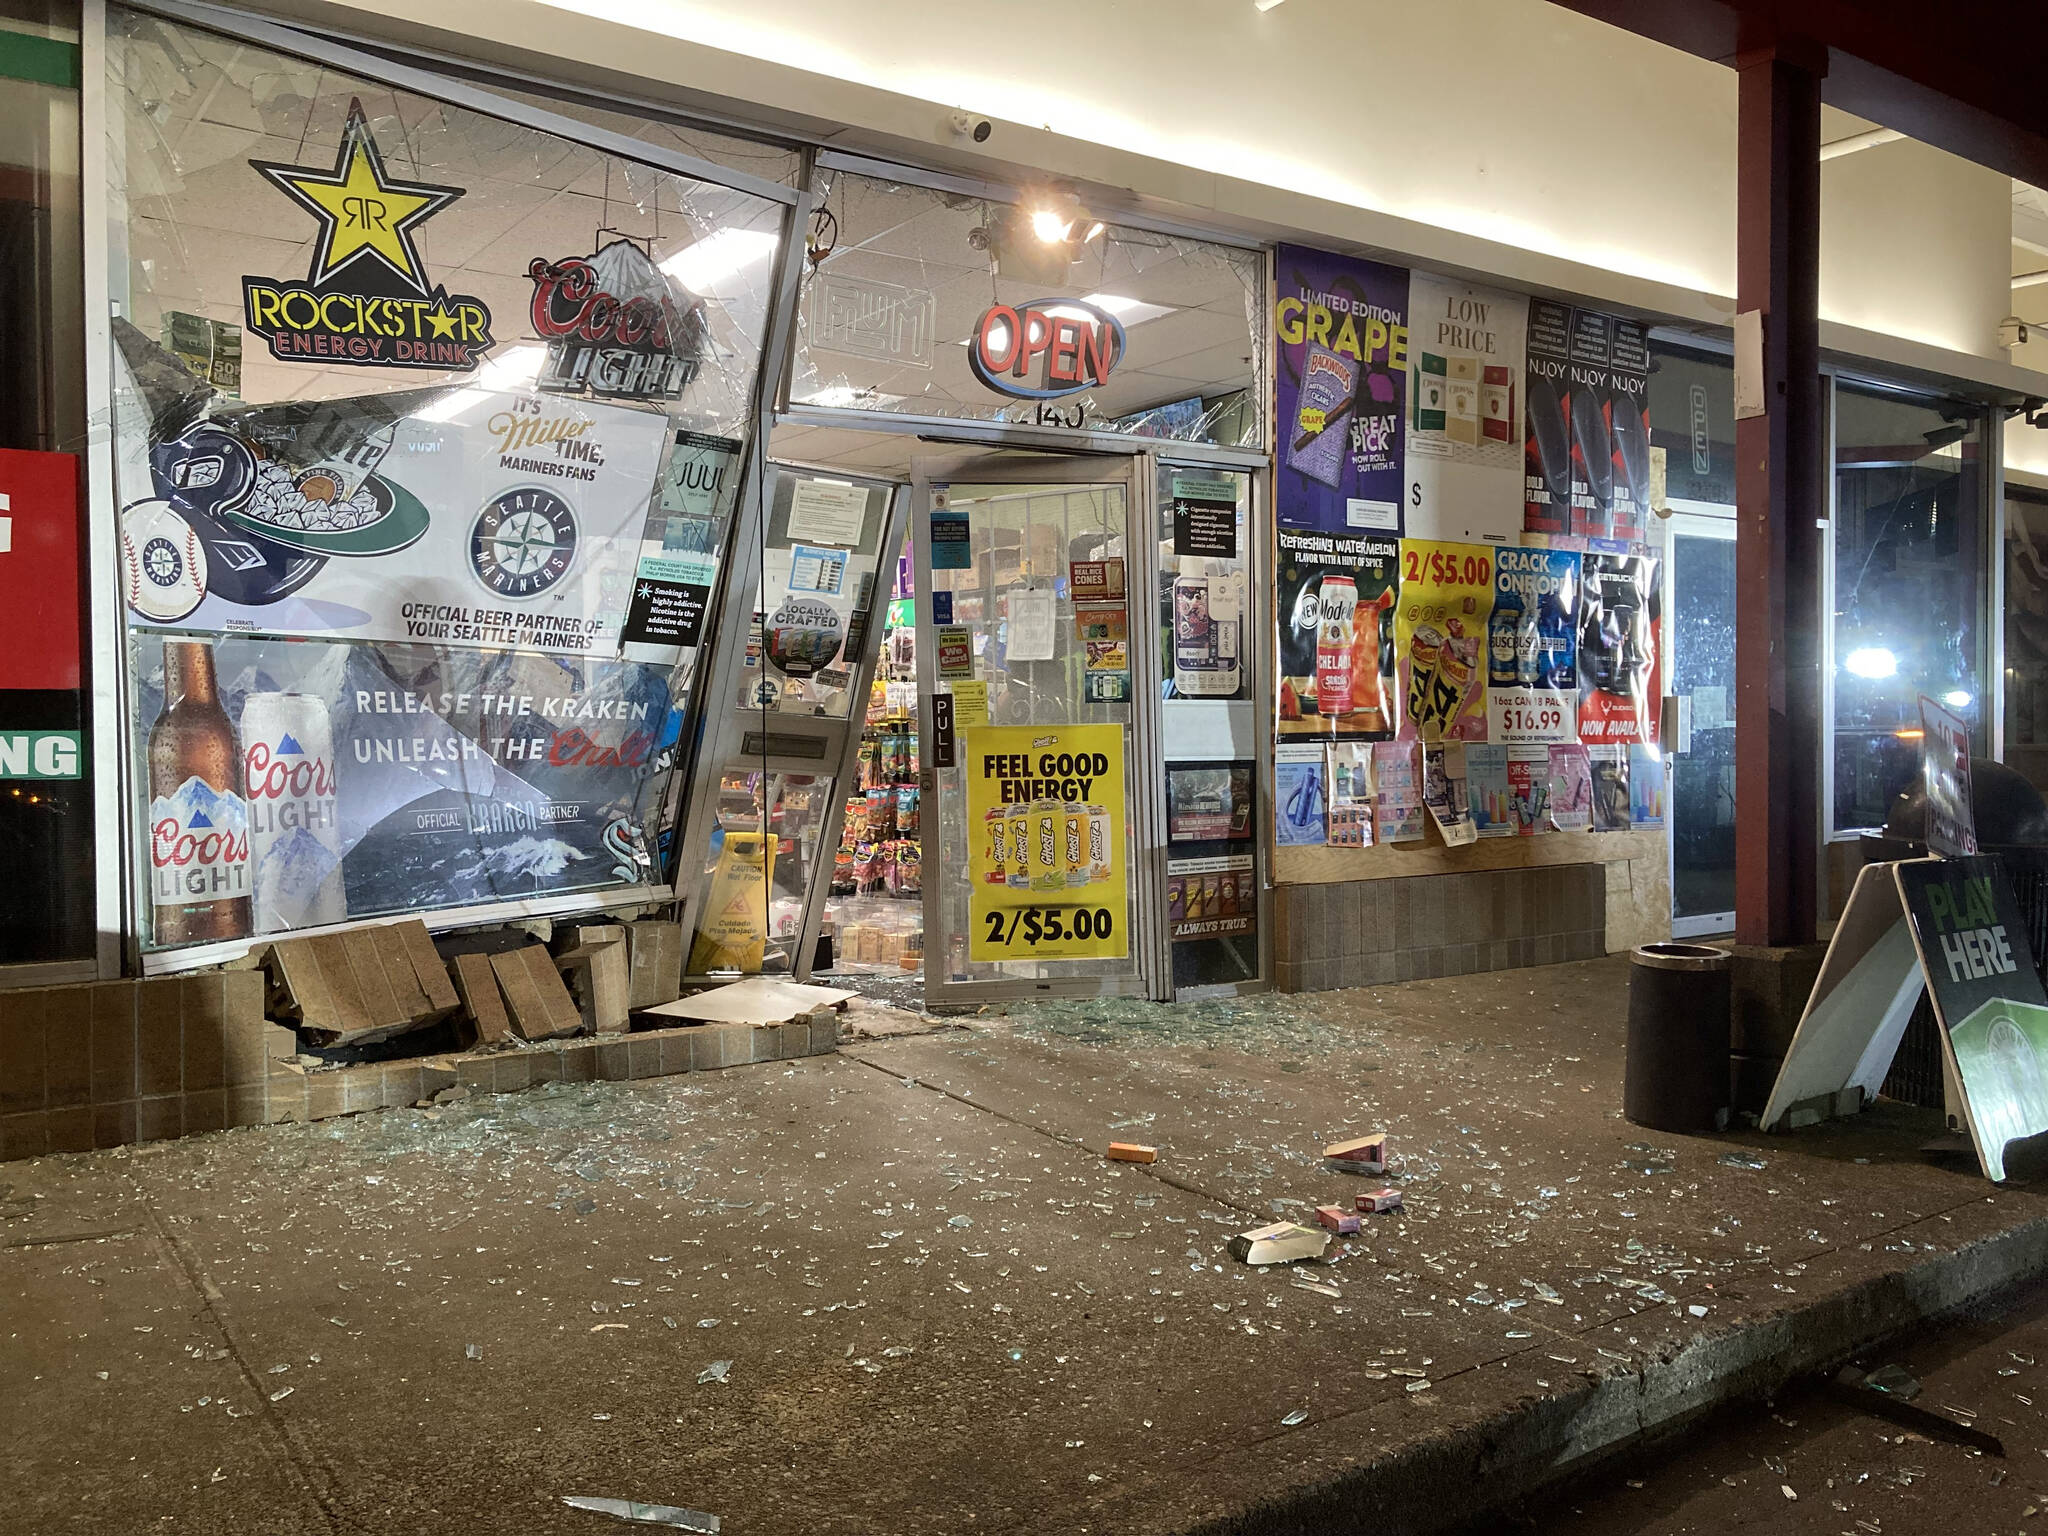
[
  {"x": 1035, "y": 659},
  {"x": 1701, "y": 602}
]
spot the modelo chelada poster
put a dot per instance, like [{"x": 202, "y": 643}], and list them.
[
  {"x": 393, "y": 778},
  {"x": 1620, "y": 635},
  {"x": 1335, "y": 609},
  {"x": 1445, "y": 600},
  {"x": 1045, "y": 818},
  {"x": 1341, "y": 357}
]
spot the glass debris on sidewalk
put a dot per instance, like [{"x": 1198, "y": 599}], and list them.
[
  {"x": 719, "y": 1371},
  {"x": 647, "y": 1514}
]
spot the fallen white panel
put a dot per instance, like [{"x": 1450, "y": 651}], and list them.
[{"x": 757, "y": 1000}]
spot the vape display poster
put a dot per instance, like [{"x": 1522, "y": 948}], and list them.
[
  {"x": 1571, "y": 788},
  {"x": 422, "y": 777},
  {"x": 1045, "y": 812},
  {"x": 1529, "y": 789},
  {"x": 1532, "y": 643},
  {"x": 1620, "y": 636},
  {"x": 1445, "y": 602},
  {"x": 1205, "y": 516},
  {"x": 1972, "y": 942},
  {"x": 1211, "y": 898},
  {"x": 486, "y": 518},
  {"x": 1609, "y": 768},
  {"x": 1208, "y": 802},
  {"x": 1647, "y": 780},
  {"x": 1349, "y": 781},
  {"x": 1335, "y": 610},
  {"x": 1445, "y": 792},
  {"x": 1397, "y": 791},
  {"x": 1298, "y": 797},
  {"x": 1466, "y": 358},
  {"x": 1487, "y": 791},
  {"x": 1547, "y": 420},
  {"x": 1608, "y": 383},
  {"x": 1340, "y": 337},
  {"x": 678, "y": 566},
  {"x": 1945, "y": 781},
  {"x": 1207, "y": 625}
]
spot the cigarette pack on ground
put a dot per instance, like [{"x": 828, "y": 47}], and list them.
[
  {"x": 1362, "y": 1154},
  {"x": 1132, "y": 1152},
  {"x": 1281, "y": 1243},
  {"x": 1337, "y": 1219},
  {"x": 1374, "y": 1201}
]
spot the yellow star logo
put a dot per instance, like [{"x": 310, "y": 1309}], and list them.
[
  {"x": 364, "y": 214},
  {"x": 442, "y": 322}
]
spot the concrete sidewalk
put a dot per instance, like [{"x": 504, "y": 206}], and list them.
[{"x": 943, "y": 1310}]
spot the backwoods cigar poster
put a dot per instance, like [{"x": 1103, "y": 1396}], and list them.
[
  {"x": 1340, "y": 339},
  {"x": 1445, "y": 601},
  {"x": 1335, "y": 610}
]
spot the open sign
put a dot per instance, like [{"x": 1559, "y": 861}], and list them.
[{"x": 1045, "y": 348}]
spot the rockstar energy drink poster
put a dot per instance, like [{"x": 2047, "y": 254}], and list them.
[
  {"x": 1440, "y": 638},
  {"x": 1045, "y": 819}
]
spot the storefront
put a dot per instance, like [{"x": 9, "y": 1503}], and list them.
[{"x": 519, "y": 507}]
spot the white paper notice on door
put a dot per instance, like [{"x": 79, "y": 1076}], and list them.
[
  {"x": 1032, "y": 624},
  {"x": 825, "y": 513}
]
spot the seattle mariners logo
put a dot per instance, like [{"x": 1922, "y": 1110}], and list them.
[{"x": 523, "y": 542}]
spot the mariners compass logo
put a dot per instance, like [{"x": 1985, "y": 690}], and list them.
[{"x": 365, "y": 300}]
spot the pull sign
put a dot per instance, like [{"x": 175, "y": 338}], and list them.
[{"x": 942, "y": 730}]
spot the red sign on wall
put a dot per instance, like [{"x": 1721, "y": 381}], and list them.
[{"x": 39, "y": 628}]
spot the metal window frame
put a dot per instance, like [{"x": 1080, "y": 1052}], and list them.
[
  {"x": 1689, "y": 520},
  {"x": 116, "y": 893}
]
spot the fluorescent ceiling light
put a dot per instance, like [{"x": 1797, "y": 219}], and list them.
[
  {"x": 843, "y": 396},
  {"x": 1956, "y": 698},
  {"x": 1265, "y": 5},
  {"x": 1872, "y": 661},
  {"x": 1130, "y": 311},
  {"x": 720, "y": 255}
]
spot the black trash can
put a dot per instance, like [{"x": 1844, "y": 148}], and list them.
[{"x": 1676, "y": 1073}]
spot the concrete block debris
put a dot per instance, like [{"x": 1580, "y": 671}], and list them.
[
  {"x": 646, "y": 1514},
  {"x": 1374, "y": 1201},
  {"x": 359, "y": 986},
  {"x": 1283, "y": 1242},
  {"x": 535, "y": 995},
  {"x": 1361, "y": 1154},
  {"x": 1337, "y": 1219},
  {"x": 1132, "y": 1152}
]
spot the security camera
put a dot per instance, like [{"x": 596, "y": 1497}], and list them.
[
  {"x": 2012, "y": 331},
  {"x": 967, "y": 126}
]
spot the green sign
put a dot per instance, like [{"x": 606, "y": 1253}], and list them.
[{"x": 40, "y": 755}]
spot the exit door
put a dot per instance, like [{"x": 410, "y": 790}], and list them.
[{"x": 1037, "y": 666}]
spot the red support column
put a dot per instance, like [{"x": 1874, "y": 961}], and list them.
[{"x": 1779, "y": 733}]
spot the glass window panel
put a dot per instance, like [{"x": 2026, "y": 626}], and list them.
[
  {"x": 2026, "y": 632},
  {"x": 1909, "y": 588},
  {"x": 888, "y": 318}
]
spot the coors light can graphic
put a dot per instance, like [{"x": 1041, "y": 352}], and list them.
[
  {"x": 198, "y": 821},
  {"x": 294, "y": 821}
]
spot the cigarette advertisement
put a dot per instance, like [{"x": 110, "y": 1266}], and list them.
[
  {"x": 1620, "y": 636},
  {"x": 292, "y": 785},
  {"x": 1335, "y": 610},
  {"x": 476, "y": 517},
  {"x": 1532, "y": 680},
  {"x": 1586, "y": 460},
  {"x": 1464, "y": 449},
  {"x": 1212, "y": 898},
  {"x": 1340, "y": 335},
  {"x": 1045, "y": 813},
  {"x": 1446, "y": 599}
]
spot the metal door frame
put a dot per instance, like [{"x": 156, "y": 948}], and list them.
[
  {"x": 1690, "y": 520},
  {"x": 1136, "y": 470}
]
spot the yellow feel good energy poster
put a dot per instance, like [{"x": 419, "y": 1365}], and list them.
[{"x": 1045, "y": 821}]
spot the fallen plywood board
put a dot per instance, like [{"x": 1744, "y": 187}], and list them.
[
  {"x": 757, "y": 1000},
  {"x": 360, "y": 985},
  {"x": 539, "y": 1003}
]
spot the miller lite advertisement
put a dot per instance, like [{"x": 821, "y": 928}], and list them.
[{"x": 294, "y": 785}]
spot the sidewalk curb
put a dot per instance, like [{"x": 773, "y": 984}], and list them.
[{"x": 1481, "y": 1464}]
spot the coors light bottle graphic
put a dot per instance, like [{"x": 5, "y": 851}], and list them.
[
  {"x": 198, "y": 823},
  {"x": 294, "y": 821}
]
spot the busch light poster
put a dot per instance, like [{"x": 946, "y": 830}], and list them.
[
  {"x": 1340, "y": 336},
  {"x": 1532, "y": 679},
  {"x": 350, "y": 780}
]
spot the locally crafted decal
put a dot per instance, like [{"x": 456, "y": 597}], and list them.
[
  {"x": 365, "y": 300},
  {"x": 1045, "y": 348},
  {"x": 614, "y": 326}
]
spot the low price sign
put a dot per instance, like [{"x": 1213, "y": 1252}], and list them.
[{"x": 1045, "y": 817}]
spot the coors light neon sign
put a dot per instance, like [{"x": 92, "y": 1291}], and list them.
[
  {"x": 613, "y": 325},
  {"x": 1045, "y": 348}
]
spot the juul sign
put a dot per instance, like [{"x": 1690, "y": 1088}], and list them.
[{"x": 1046, "y": 348}]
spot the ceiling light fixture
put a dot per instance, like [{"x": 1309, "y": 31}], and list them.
[
  {"x": 723, "y": 254},
  {"x": 1265, "y": 5}
]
